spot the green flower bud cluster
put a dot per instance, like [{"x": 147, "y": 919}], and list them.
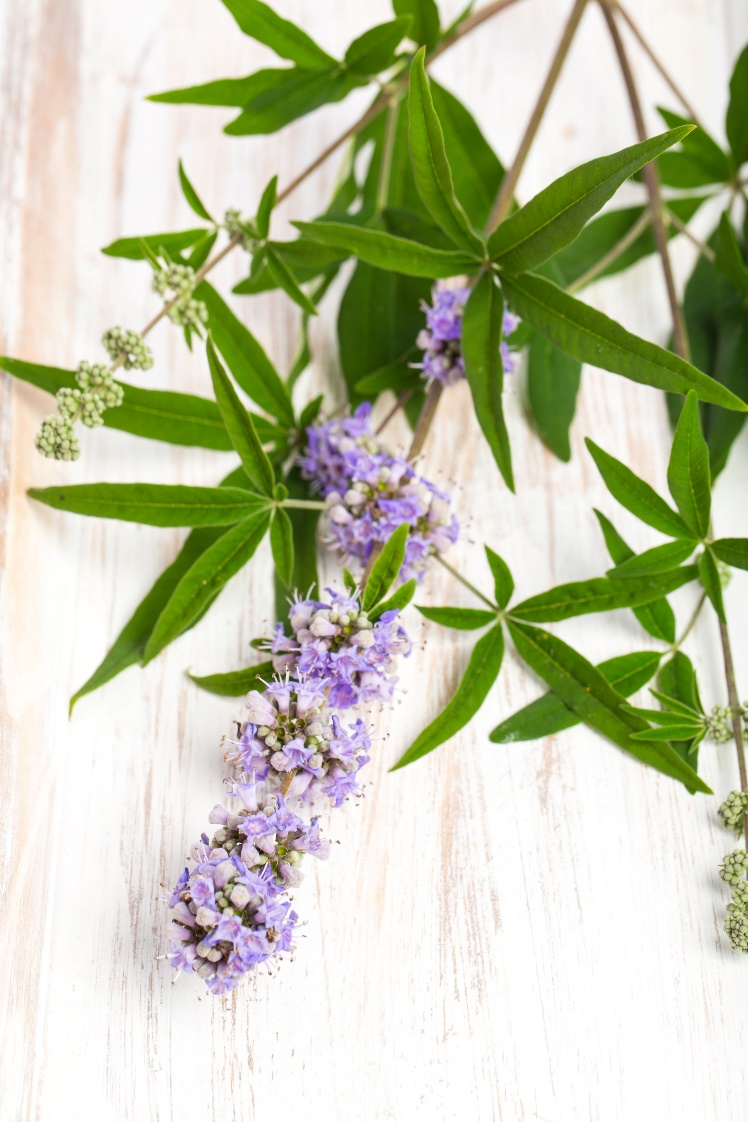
[
  {"x": 95, "y": 392},
  {"x": 724, "y": 572},
  {"x": 180, "y": 281},
  {"x": 732, "y": 811},
  {"x": 733, "y": 867},
  {"x": 130, "y": 347},
  {"x": 719, "y": 724},
  {"x": 736, "y": 920},
  {"x": 235, "y": 224}
]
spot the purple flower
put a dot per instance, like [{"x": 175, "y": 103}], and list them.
[
  {"x": 334, "y": 640},
  {"x": 441, "y": 339}
]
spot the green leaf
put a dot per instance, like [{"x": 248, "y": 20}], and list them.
[
  {"x": 304, "y": 526},
  {"x": 553, "y": 380},
  {"x": 281, "y": 543},
  {"x": 481, "y": 341},
  {"x": 709, "y": 575},
  {"x": 153, "y": 504},
  {"x": 503, "y": 580},
  {"x": 203, "y": 581},
  {"x": 285, "y": 279},
  {"x": 482, "y": 671},
  {"x": 240, "y": 427},
  {"x": 677, "y": 681},
  {"x": 192, "y": 196},
  {"x": 132, "y": 248},
  {"x": 266, "y": 207},
  {"x": 729, "y": 261},
  {"x": 236, "y": 92},
  {"x": 201, "y": 251},
  {"x": 477, "y": 172},
  {"x": 396, "y": 602},
  {"x": 282, "y": 36},
  {"x": 425, "y": 17},
  {"x": 600, "y": 594},
  {"x": 585, "y": 690},
  {"x": 375, "y": 49},
  {"x": 464, "y": 619},
  {"x": 385, "y": 569},
  {"x": 688, "y": 473},
  {"x": 245, "y": 358},
  {"x": 733, "y": 551},
  {"x": 657, "y": 618},
  {"x": 286, "y": 95},
  {"x": 736, "y": 121},
  {"x": 665, "y": 719},
  {"x": 554, "y": 218},
  {"x": 430, "y": 164},
  {"x": 548, "y": 715},
  {"x": 388, "y": 252},
  {"x": 704, "y": 160},
  {"x": 590, "y": 336},
  {"x": 674, "y": 732},
  {"x": 236, "y": 683},
  {"x": 660, "y": 559},
  {"x": 306, "y": 259},
  {"x": 636, "y": 495}
]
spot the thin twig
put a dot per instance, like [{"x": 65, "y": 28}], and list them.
[
  {"x": 506, "y": 193},
  {"x": 468, "y": 25},
  {"x": 689, "y": 626},
  {"x": 425, "y": 419},
  {"x": 735, "y": 711},
  {"x": 705, "y": 250},
  {"x": 680, "y": 338},
  {"x": 402, "y": 400},
  {"x": 690, "y": 112},
  {"x": 613, "y": 254},
  {"x": 475, "y": 591}
]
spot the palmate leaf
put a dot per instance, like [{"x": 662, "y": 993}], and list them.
[
  {"x": 556, "y": 216},
  {"x": 482, "y": 671},
  {"x": 481, "y": 341},
  {"x": 688, "y": 472},
  {"x": 285, "y": 38},
  {"x": 202, "y": 582},
  {"x": 660, "y": 559},
  {"x": 153, "y": 504},
  {"x": 235, "y": 683},
  {"x": 636, "y": 495},
  {"x": 588, "y": 693},
  {"x": 389, "y": 252},
  {"x": 590, "y": 336},
  {"x": 657, "y": 618},
  {"x": 431, "y": 167},
  {"x": 601, "y": 594},
  {"x": 553, "y": 380},
  {"x": 240, "y": 427},
  {"x": 548, "y": 715}
]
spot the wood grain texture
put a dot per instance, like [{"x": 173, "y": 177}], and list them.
[{"x": 520, "y": 932}]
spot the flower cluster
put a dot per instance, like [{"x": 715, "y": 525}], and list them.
[
  {"x": 334, "y": 641},
  {"x": 736, "y": 920},
  {"x": 370, "y": 493},
  {"x": 294, "y": 742},
  {"x": 179, "y": 281},
  {"x": 129, "y": 348},
  {"x": 733, "y": 867},
  {"x": 441, "y": 339},
  {"x": 235, "y": 224},
  {"x": 96, "y": 391},
  {"x": 732, "y": 811}
]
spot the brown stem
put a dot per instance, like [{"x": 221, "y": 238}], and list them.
[
  {"x": 705, "y": 250},
  {"x": 506, "y": 193},
  {"x": 735, "y": 711},
  {"x": 658, "y": 64},
  {"x": 468, "y": 25},
  {"x": 425, "y": 419},
  {"x": 402, "y": 400},
  {"x": 286, "y": 782},
  {"x": 652, "y": 183},
  {"x": 612, "y": 255}
]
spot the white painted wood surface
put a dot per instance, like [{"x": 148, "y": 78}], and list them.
[{"x": 525, "y": 932}]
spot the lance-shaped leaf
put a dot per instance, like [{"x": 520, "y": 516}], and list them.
[
  {"x": 386, "y": 567},
  {"x": 733, "y": 551},
  {"x": 688, "y": 473},
  {"x": 235, "y": 683},
  {"x": 463, "y": 619},
  {"x": 288, "y": 94},
  {"x": 394, "y": 603},
  {"x": 556, "y": 216},
  {"x": 548, "y": 715},
  {"x": 482, "y": 671},
  {"x": 585, "y": 690},
  {"x": 153, "y": 504},
  {"x": 304, "y": 528},
  {"x": 590, "y": 336},
  {"x": 710, "y": 578},
  {"x": 430, "y": 164},
  {"x": 192, "y": 196},
  {"x": 736, "y": 121},
  {"x": 678, "y": 685},
  {"x": 729, "y": 260},
  {"x": 281, "y": 543},
  {"x": 660, "y": 559},
  {"x": 636, "y": 495},
  {"x": 375, "y": 49},
  {"x": 657, "y": 618},
  {"x": 600, "y": 594},
  {"x": 553, "y": 379},
  {"x": 267, "y": 205},
  {"x": 502, "y": 577},
  {"x": 247, "y": 361},
  {"x": 235, "y": 92},
  {"x": 699, "y": 162},
  {"x": 174, "y": 243},
  {"x": 285, "y": 279},
  {"x": 476, "y": 169},
  {"x": 282, "y": 36},
  {"x": 399, "y": 255},
  {"x": 240, "y": 427},
  {"x": 425, "y": 17},
  {"x": 481, "y": 342},
  {"x": 203, "y": 581}
]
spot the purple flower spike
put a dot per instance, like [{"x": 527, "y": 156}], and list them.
[{"x": 441, "y": 339}]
